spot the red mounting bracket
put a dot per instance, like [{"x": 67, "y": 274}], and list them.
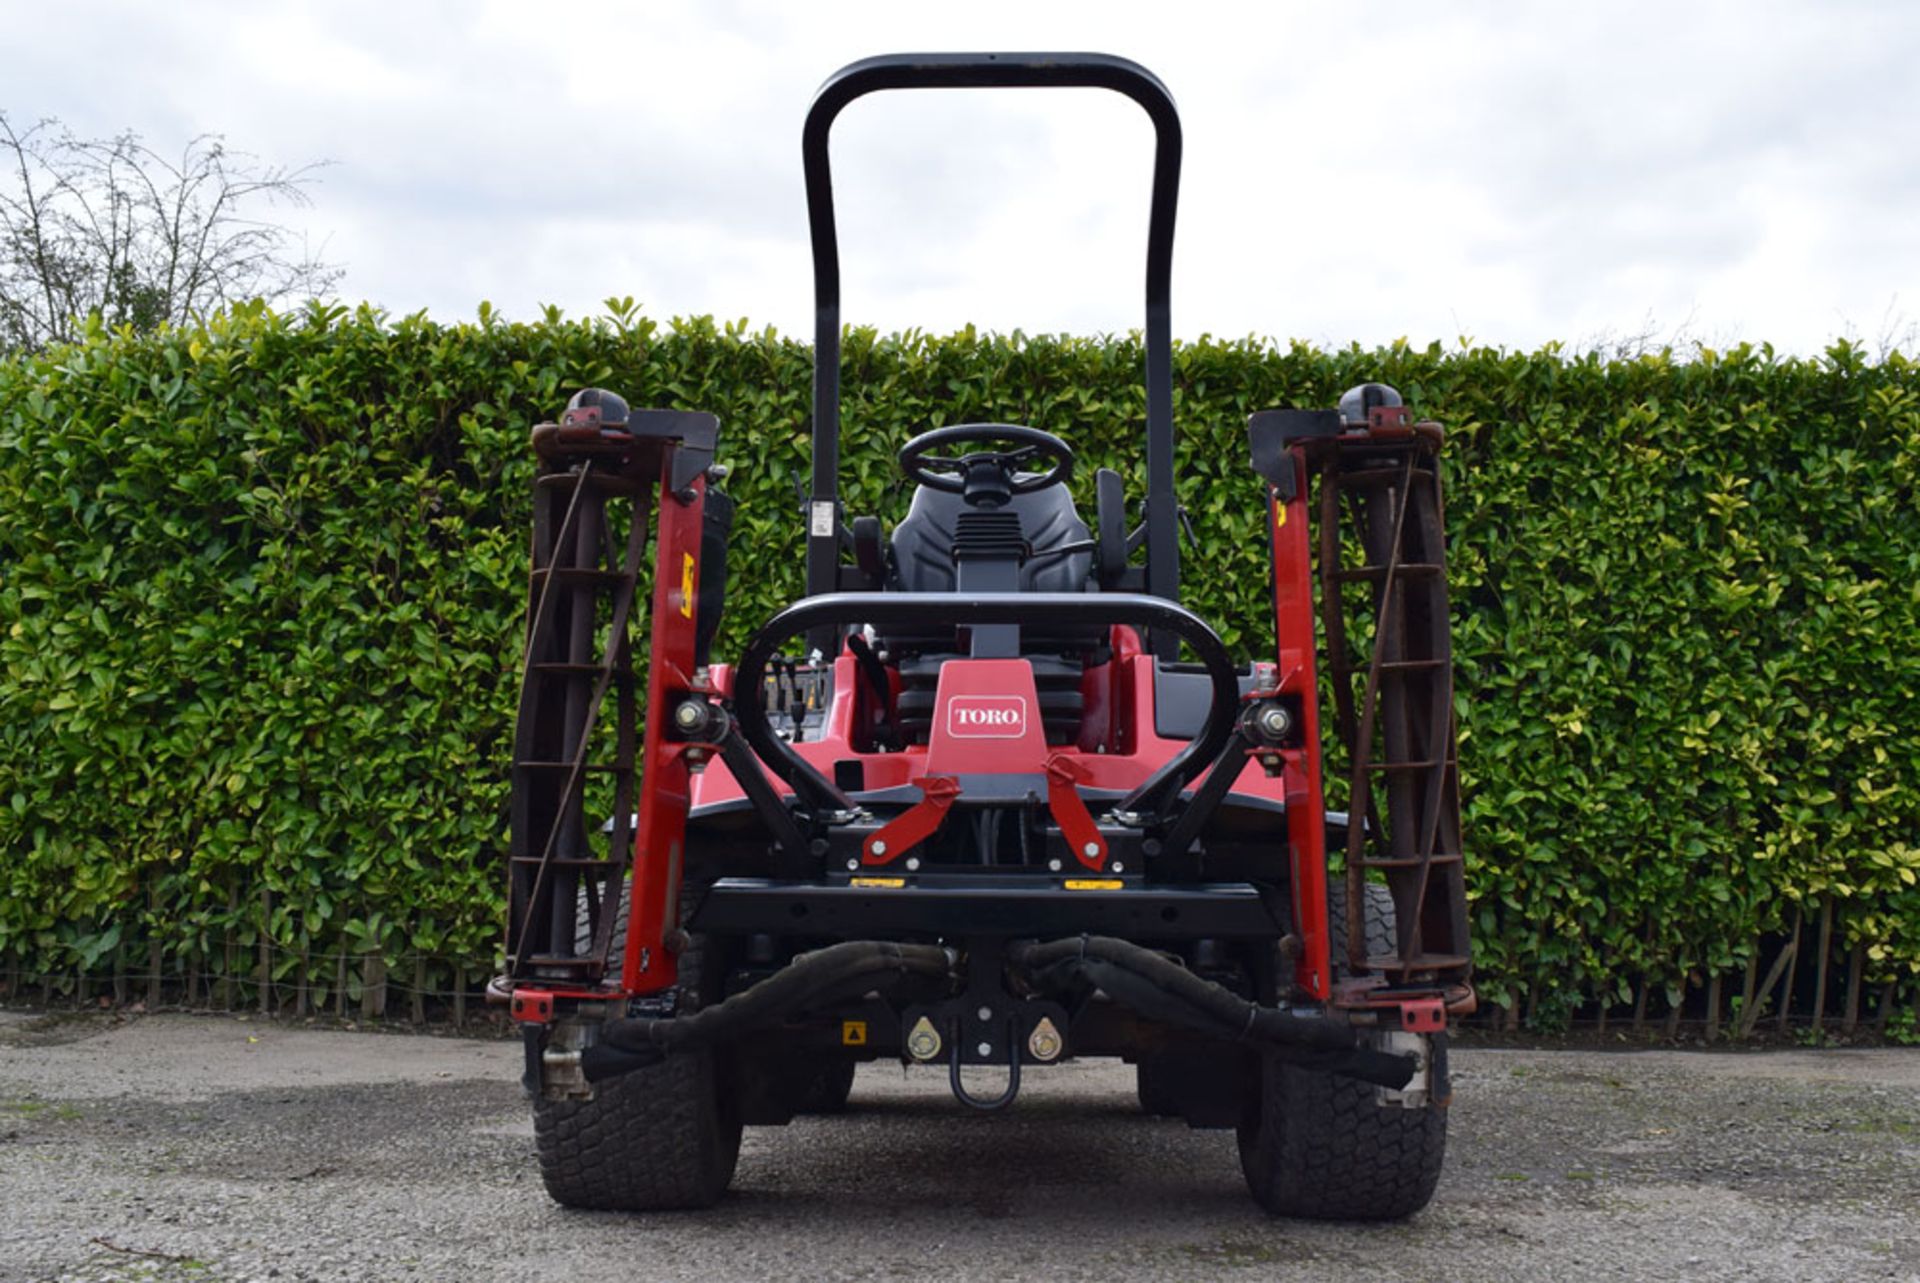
[
  {"x": 1423, "y": 1015},
  {"x": 915, "y": 824},
  {"x": 532, "y": 1006},
  {"x": 1070, "y": 812}
]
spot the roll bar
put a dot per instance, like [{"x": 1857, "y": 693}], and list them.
[{"x": 992, "y": 71}]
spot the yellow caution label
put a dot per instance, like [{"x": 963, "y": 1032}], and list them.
[
  {"x": 1094, "y": 884},
  {"x": 853, "y": 1033},
  {"x": 887, "y": 883},
  {"x": 686, "y": 585}
]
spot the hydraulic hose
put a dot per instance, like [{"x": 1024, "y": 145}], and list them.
[
  {"x": 1160, "y": 989},
  {"x": 637, "y": 1041}
]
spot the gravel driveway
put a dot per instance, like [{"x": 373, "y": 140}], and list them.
[{"x": 182, "y": 1147}]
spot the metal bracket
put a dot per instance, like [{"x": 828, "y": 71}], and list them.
[
  {"x": 1070, "y": 811},
  {"x": 532, "y": 1006},
  {"x": 1423, "y": 1015},
  {"x": 915, "y": 824}
]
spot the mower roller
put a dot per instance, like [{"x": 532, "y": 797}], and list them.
[{"x": 987, "y": 798}]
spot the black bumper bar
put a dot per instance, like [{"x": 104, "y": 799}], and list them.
[{"x": 1226, "y": 910}]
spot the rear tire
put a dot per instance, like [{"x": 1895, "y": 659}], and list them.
[
  {"x": 825, "y": 1088},
  {"x": 659, "y": 1138},
  {"x": 1322, "y": 1145},
  {"x": 1151, "y": 1083}
]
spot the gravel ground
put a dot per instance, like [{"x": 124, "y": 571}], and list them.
[{"x": 196, "y": 1148}]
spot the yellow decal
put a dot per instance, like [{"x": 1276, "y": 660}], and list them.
[
  {"x": 1094, "y": 884},
  {"x": 686, "y": 586},
  {"x": 890, "y": 883},
  {"x": 1279, "y": 515},
  {"x": 853, "y": 1033}
]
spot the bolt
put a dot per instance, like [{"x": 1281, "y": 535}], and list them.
[
  {"x": 985, "y": 1049},
  {"x": 853, "y": 864},
  {"x": 1090, "y": 849},
  {"x": 1118, "y": 867},
  {"x": 913, "y": 863},
  {"x": 1044, "y": 1042},
  {"x": 985, "y": 1014},
  {"x": 879, "y": 848},
  {"x": 1275, "y": 721},
  {"x": 1054, "y": 865},
  {"x": 690, "y": 714},
  {"x": 923, "y": 1041}
]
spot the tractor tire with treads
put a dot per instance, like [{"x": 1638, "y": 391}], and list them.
[
  {"x": 825, "y": 1087},
  {"x": 1151, "y": 1083},
  {"x": 659, "y": 1138},
  {"x": 1322, "y": 1146}
]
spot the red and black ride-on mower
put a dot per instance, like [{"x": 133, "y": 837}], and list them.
[{"x": 1014, "y": 806}]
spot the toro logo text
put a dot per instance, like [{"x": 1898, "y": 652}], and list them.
[{"x": 991, "y": 717}]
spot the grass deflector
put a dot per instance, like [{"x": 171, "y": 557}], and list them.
[{"x": 987, "y": 797}]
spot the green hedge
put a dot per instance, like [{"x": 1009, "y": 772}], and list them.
[{"x": 261, "y": 586}]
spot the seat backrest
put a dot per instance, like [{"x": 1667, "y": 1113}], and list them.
[{"x": 923, "y": 541}]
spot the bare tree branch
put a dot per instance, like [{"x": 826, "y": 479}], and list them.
[{"x": 110, "y": 227}]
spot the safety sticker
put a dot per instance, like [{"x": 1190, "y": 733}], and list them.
[{"x": 853, "y": 1033}]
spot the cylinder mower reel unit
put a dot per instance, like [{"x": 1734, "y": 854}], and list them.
[{"x": 987, "y": 798}]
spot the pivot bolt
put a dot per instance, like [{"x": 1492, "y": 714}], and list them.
[
  {"x": 1090, "y": 849},
  {"x": 1275, "y": 722},
  {"x": 1044, "y": 1042},
  {"x": 690, "y": 715},
  {"x": 879, "y": 848},
  {"x": 923, "y": 1040}
]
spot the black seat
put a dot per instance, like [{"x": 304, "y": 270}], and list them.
[{"x": 923, "y": 541}]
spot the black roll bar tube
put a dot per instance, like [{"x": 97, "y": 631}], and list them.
[
  {"x": 990, "y": 70},
  {"x": 923, "y": 610}
]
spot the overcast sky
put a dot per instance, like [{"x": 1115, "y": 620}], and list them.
[{"x": 1516, "y": 173}]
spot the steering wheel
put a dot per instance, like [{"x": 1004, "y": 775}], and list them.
[{"x": 984, "y": 472}]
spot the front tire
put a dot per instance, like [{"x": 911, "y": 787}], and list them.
[
  {"x": 664, "y": 1137},
  {"x": 655, "y": 1139},
  {"x": 1324, "y": 1146}
]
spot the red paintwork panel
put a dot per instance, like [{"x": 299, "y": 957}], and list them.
[
  {"x": 1123, "y": 765},
  {"x": 986, "y": 719},
  {"x": 1306, "y": 804},
  {"x": 660, "y": 838}
]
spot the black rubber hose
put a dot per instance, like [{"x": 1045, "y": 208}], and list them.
[
  {"x": 803, "y": 981},
  {"x": 1161, "y": 989}
]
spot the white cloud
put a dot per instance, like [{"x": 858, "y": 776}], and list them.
[{"x": 1518, "y": 173}]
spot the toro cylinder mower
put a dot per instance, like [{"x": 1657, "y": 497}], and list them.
[{"x": 987, "y": 798}]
